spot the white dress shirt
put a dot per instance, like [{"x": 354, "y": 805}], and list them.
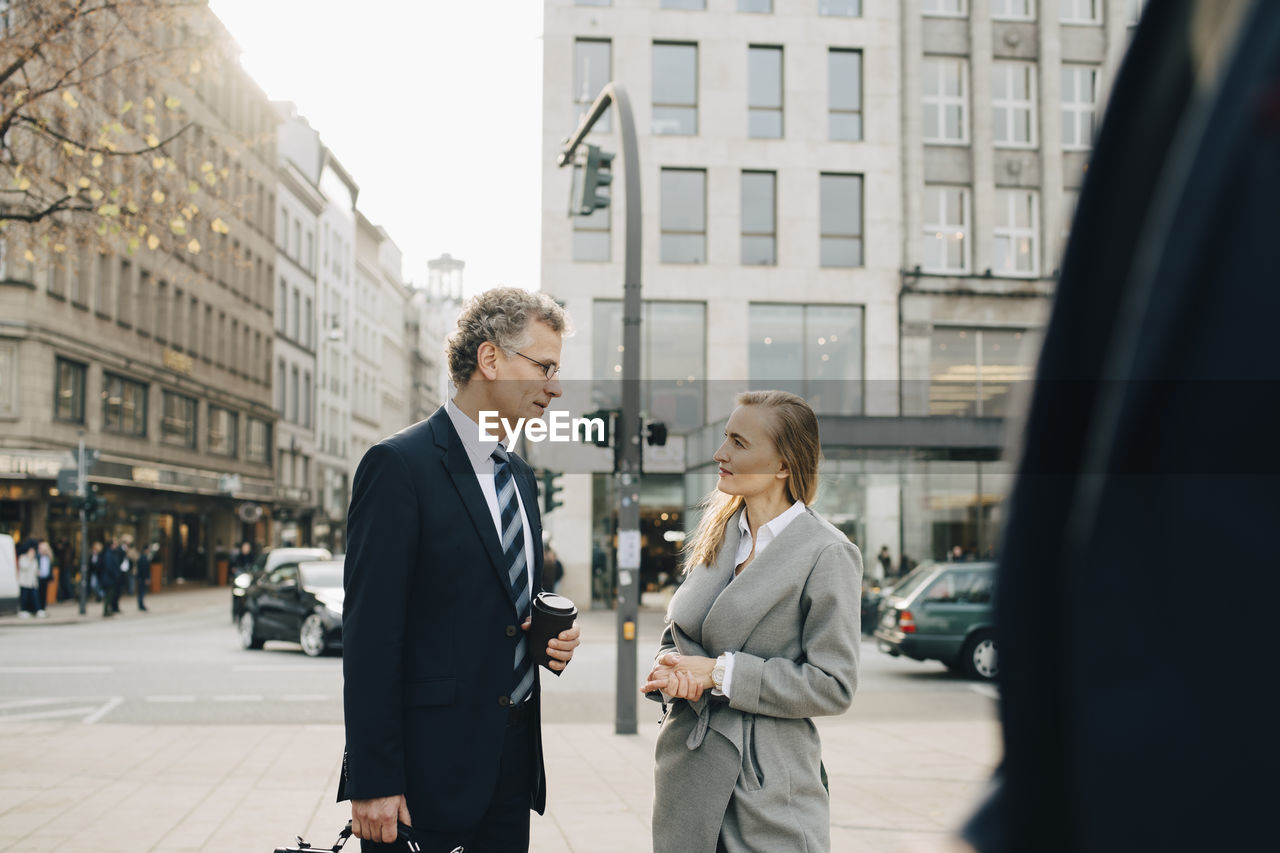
[
  {"x": 480, "y": 452},
  {"x": 766, "y": 534}
]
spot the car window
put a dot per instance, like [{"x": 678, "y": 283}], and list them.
[
  {"x": 960, "y": 587},
  {"x": 287, "y": 573},
  {"x": 321, "y": 574},
  {"x": 912, "y": 581}
]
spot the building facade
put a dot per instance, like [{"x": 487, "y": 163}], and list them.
[
  {"x": 861, "y": 201},
  {"x": 160, "y": 360},
  {"x": 297, "y": 328}
]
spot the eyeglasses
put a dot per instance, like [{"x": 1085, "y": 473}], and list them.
[{"x": 550, "y": 368}]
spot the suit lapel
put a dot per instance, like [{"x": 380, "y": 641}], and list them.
[{"x": 458, "y": 464}]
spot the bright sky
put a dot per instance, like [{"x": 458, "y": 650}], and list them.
[{"x": 433, "y": 106}]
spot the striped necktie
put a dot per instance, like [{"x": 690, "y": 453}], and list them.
[{"x": 517, "y": 571}]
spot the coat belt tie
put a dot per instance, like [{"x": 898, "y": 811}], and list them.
[{"x": 700, "y": 728}]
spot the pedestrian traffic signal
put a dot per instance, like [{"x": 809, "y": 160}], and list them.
[
  {"x": 597, "y": 174},
  {"x": 601, "y": 438},
  {"x": 549, "y": 490}
]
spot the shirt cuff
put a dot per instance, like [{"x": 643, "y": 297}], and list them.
[{"x": 726, "y": 684}]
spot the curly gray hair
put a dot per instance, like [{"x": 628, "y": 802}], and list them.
[{"x": 501, "y": 316}]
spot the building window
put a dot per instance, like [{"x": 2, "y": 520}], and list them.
[
  {"x": 672, "y": 360},
  {"x": 675, "y": 89},
  {"x": 257, "y": 441},
  {"x": 592, "y": 69},
  {"x": 295, "y": 315},
  {"x": 946, "y": 100},
  {"x": 840, "y": 206},
  {"x": 68, "y": 402},
  {"x": 124, "y": 405},
  {"x": 178, "y": 426},
  {"x": 811, "y": 350},
  {"x": 308, "y": 324},
  {"x": 972, "y": 371},
  {"x": 1133, "y": 10},
  {"x": 844, "y": 95},
  {"x": 692, "y": 5},
  {"x": 946, "y": 229},
  {"x": 944, "y": 8},
  {"x": 762, "y": 6},
  {"x": 759, "y": 218},
  {"x": 1016, "y": 232},
  {"x": 1079, "y": 106},
  {"x": 306, "y": 399},
  {"x": 684, "y": 216},
  {"x": 1013, "y": 10},
  {"x": 280, "y": 387},
  {"x": 308, "y": 259},
  {"x": 1079, "y": 11},
  {"x": 764, "y": 92},
  {"x": 9, "y": 379},
  {"x": 591, "y": 238},
  {"x": 1013, "y": 104},
  {"x": 840, "y": 8},
  {"x": 294, "y": 382},
  {"x": 1070, "y": 198},
  {"x": 224, "y": 430}
]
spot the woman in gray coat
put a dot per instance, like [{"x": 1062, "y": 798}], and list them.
[{"x": 762, "y": 635}]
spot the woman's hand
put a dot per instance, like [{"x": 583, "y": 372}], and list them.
[{"x": 680, "y": 676}]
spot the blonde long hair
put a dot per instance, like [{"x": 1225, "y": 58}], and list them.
[{"x": 794, "y": 433}]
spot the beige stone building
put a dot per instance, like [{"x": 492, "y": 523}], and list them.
[
  {"x": 160, "y": 361},
  {"x": 862, "y": 201}
]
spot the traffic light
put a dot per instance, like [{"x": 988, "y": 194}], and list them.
[
  {"x": 597, "y": 174},
  {"x": 93, "y": 504},
  {"x": 656, "y": 434},
  {"x": 549, "y": 490}
]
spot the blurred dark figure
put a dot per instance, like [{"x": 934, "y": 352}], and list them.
[
  {"x": 1151, "y": 437},
  {"x": 886, "y": 562},
  {"x": 243, "y": 560},
  {"x": 552, "y": 569},
  {"x": 95, "y": 570},
  {"x": 110, "y": 578},
  {"x": 145, "y": 557},
  {"x": 68, "y": 568}
]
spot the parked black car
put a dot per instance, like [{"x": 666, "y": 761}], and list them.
[
  {"x": 943, "y": 611},
  {"x": 298, "y": 602}
]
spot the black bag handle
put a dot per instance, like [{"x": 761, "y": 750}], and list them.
[{"x": 404, "y": 833}]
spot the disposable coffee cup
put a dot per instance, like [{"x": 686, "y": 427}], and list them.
[{"x": 551, "y": 614}]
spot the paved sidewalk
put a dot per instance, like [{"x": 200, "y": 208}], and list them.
[
  {"x": 72, "y": 787},
  {"x": 170, "y": 599}
]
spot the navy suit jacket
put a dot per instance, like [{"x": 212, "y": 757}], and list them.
[
  {"x": 1149, "y": 477},
  {"x": 430, "y": 629}
]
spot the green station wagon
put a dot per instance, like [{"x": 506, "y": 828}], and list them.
[{"x": 943, "y": 612}]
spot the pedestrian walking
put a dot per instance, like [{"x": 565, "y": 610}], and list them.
[
  {"x": 110, "y": 578},
  {"x": 442, "y": 701},
  {"x": 762, "y": 636},
  {"x": 886, "y": 563},
  {"x": 243, "y": 560},
  {"x": 95, "y": 570},
  {"x": 28, "y": 574},
  {"x": 44, "y": 576},
  {"x": 144, "y": 571}
]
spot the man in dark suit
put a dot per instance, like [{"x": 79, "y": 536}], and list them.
[
  {"x": 443, "y": 556},
  {"x": 112, "y": 576},
  {"x": 1151, "y": 436}
]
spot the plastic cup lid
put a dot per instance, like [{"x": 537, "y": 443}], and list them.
[{"x": 551, "y": 601}]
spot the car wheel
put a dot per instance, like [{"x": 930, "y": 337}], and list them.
[
  {"x": 312, "y": 636},
  {"x": 249, "y": 638},
  {"x": 979, "y": 656}
]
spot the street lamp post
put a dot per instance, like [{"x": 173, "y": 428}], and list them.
[{"x": 628, "y": 469}]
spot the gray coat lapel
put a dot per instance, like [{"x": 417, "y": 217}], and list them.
[
  {"x": 736, "y": 612},
  {"x": 698, "y": 593}
]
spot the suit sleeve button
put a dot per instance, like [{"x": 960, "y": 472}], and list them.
[
  {"x": 511, "y": 630},
  {"x": 504, "y": 701}
]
